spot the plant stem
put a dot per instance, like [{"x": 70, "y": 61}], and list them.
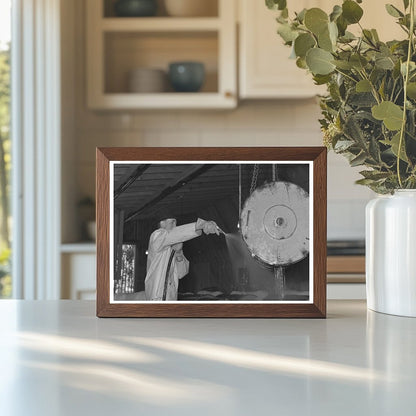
[
  {"x": 346, "y": 75},
  {"x": 373, "y": 88},
  {"x": 392, "y": 90},
  {"x": 406, "y": 80}
]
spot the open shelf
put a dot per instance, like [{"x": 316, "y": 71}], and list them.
[
  {"x": 211, "y": 9},
  {"x": 160, "y": 24},
  {"x": 116, "y": 46},
  {"x": 126, "y": 51},
  {"x": 169, "y": 100}
]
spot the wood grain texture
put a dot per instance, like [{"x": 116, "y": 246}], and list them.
[
  {"x": 319, "y": 229},
  {"x": 317, "y": 309},
  {"x": 346, "y": 264}
]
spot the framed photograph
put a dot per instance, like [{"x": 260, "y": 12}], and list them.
[{"x": 211, "y": 232}]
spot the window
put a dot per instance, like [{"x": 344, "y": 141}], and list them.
[
  {"x": 5, "y": 159},
  {"x": 125, "y": 284}
]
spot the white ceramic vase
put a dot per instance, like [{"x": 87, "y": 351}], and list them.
[{"x": 391, "y": 253}]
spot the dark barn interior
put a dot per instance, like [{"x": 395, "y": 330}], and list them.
[{"x": 221, "y": 268}]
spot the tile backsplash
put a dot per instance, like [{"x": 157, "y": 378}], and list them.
[{"x": 258, "y": 123}]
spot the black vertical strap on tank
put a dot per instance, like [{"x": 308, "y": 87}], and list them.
[{"x": 165, "y": 288}]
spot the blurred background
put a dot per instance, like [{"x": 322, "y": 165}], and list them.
[{"x": 146, "y": 73}]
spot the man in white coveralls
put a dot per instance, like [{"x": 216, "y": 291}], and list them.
[{"x": 166, "y": 263}]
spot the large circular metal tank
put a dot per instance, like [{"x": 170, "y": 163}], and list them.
[{"x": 275, "y": 223}]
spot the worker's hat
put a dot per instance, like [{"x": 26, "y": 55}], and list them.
[{"x": 164, "y": 214}]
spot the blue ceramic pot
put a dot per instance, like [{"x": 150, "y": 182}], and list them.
[
  {"x": 186, "y": 76},
  {"x": 135, "y": 8}
]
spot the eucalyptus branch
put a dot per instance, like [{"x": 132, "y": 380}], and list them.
[
  {"x": 406, "y": 80},
  {"x": 392, "y": 91},
  {"x": 370, "y": 62},
  {"x": 346, "y": 75},
  {"x": 398, "y": 95},
  {"x": 369, "y": 41},
  {"x": 404, "y": 28},
  {"x": 373, "y": 88}
]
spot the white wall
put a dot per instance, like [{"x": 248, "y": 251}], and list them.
[{"x": 256, "y": 123}]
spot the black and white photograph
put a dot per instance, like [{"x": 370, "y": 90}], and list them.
[{"x": 215, "y": 231}]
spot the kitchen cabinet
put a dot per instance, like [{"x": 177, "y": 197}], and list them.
[
  {"x": 346, "y": 277},
  {"x": 265, "y": 70},
  {"x": 78, "y": 263},
  {"x": 118, "y": 45}
]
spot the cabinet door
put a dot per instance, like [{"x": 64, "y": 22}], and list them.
[
  {"x": 266, "y": 71},
  {"x": 78, "y": 276}
]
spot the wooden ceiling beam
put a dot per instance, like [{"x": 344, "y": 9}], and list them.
[
  {"x": 130, "y": 206},
  {"x": 133, "y": 175},
  {"x": 188, "y": 176}
]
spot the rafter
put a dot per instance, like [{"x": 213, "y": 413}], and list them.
[
  {"x": 186, "y": 177},
  {"x": 132, "y": 176}
]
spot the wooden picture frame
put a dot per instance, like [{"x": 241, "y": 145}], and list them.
[{"x": 315, "y": 157}]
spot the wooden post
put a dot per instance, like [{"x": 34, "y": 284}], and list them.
[{"x": 118, "y": 242}]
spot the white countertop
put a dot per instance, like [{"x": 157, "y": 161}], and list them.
[
  {"x": 57, "y": 358},
  {"x": 88, "y": 247}
]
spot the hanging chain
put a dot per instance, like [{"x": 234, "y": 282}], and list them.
[
  {"x": 254, "y": 178},
  {"x": 239, "y": 192},
  {"x": 274, "y": 172}
]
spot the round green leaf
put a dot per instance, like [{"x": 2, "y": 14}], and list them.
[
  {"x": 301, "y": 15},
  {"x": 322, "y": 79},
  {"x": 412, "y": 67},
  {"x": 394, "y": 144},
  {"x": 303, "y": 43},
  {"x": 344, "y": 65},
  {"x": 319, "y": 61},
  {"x": 301, "y": 63},
  {"x": 384, "y": 62},
  {"x": 411, "y": 90},
  {"x": 342, "y": 25},
  {"x": 375, "y": 35},
  {"x": 358, "y": 61},
  {"x": 316, "y": 20},
  {"x": 351, "y": 11},
  {"x": 347, "y": 37},
  {"x": 336, "y": 12},
  {"x": 393, "y": 11},
  {"x": 324, "y": 41},
  {"x": 333, "y": 32},
  {"x": 287, "y": 33},
  {"x": 391, "y": 114},
  {"x": 328, "y": 38},
  {"x": 363, "y": 86},
  {"x": 276, "y": 4}
]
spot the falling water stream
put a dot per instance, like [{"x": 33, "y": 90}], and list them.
[{"x": 247, "y": 271}]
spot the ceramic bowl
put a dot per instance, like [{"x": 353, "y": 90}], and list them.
[
  {"x": 147, "y": 80},
  {"x": 135, "y": 8},
  {"x": 186, "y": 76}
]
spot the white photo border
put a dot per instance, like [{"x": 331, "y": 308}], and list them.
[{"x": 192, "y": 162}]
